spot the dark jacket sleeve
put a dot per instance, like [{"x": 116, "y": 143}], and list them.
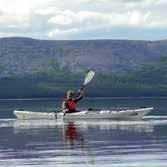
[{"x": 79, "y": 97}]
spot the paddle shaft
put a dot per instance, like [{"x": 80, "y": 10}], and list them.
[{"x": 80, "y": 90}]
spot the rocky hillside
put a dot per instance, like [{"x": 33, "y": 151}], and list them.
[
  {"x": 21, "y": 56},
  {"x": 42, "y": 68}
]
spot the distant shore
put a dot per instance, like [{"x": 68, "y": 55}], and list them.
[{"x": 47, "y": 98}]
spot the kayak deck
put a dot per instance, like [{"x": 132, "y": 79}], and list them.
[{"x": 103, "y": 114}]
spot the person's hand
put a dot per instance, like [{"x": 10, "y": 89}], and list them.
[
  {"x": 80, "y": 92},
  {"x": 65, "y": 110}
]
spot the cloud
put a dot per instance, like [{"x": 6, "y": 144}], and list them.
[
  {"x": 68, "y": 17},
  {"x": 62, "y": 34},
  {"x": 161, "y": 2},
  {"x": 122, "y": 1},
  {"x": 13, "y": 19},
  {"x": 51, "y": 10},
  {"x": 97, "y": 19},
  {"x": 7, "y": 34},
  {"x": 73, "y": 19},
  {"x": 74, "y": 23},
  {"x": 22, "y": 6},
  {"x": 95, "y": 1}
]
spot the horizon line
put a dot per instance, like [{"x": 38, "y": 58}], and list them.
[{"x": 96, "y": 39}]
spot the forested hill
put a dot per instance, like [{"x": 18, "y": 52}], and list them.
[
  {"x": 42, "y": 68},
  {"x": 21, "y": 56}
]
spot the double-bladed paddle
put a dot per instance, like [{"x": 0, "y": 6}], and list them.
[{"x": 88, "y": 78}]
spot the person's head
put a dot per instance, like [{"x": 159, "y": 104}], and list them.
[{"x": 70, "y": 94}]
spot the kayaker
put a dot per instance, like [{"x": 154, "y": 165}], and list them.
[{"x": 70, "y": 102}]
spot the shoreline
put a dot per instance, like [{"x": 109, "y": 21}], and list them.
[{"x": 50, "y": 98}]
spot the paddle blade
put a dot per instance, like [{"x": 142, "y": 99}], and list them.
[{"x": 89, "y": 77}]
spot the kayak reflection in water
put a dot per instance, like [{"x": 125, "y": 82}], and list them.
[
  {"x": 70, "y": 102},
  {"x": 72, "y": 135}
]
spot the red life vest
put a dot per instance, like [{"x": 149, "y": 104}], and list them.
[{"x": 71, "y": 104}]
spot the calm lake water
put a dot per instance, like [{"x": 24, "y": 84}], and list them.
[{"x": 92, "y": 143}]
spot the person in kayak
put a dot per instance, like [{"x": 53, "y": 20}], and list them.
[{"x": 70, "y": 102}]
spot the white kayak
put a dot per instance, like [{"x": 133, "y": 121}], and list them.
[{"x": 103, "y": 114}]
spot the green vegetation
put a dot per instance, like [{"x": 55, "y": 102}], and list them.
[{"x": 151, "y": 80}]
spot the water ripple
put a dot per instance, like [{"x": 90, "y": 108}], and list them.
[{"x": 83, "y": 143}]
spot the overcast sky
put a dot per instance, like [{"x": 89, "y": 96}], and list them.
[{"x": 84, "y": 19}]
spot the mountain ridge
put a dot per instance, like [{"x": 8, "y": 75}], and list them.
[
  {"x": 23, "y": 56},
  {"x": 43, "y": 68}
]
